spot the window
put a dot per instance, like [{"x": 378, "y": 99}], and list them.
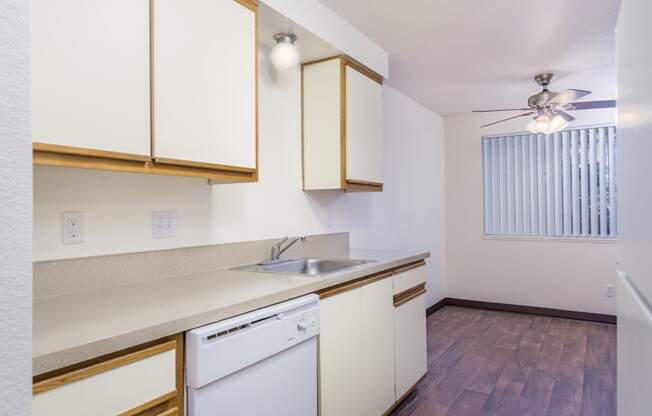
[{"x": 559, "y": 185}]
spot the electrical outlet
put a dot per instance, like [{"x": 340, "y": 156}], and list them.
[
  {"x": 164, "y": 224},
  {"x": 72, "y": 227},
  {"x": 609, "y": 291}
]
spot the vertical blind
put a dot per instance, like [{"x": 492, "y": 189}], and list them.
[{"x": 560, "y": 185}]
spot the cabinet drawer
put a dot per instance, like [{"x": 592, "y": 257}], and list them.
[
  {"x": 410, "y": 344},
  {"x": 409, "y": 277},
  {"x": 125, "y": 385}
]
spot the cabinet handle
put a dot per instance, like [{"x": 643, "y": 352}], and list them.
[{"x": 409, "y": 294}]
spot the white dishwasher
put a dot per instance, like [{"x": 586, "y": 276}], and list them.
[{"x": 261, "y": 363}]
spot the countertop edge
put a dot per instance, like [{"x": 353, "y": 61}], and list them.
[{"x": 53, "y": 361}]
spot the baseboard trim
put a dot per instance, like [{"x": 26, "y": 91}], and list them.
[
  {"x": 532, "y": 310},
  {"x": 437, "y": 306}
]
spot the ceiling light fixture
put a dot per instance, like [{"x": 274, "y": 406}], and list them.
[
  {"x": 285, "y": 55},
  {"x": 548, "y": 123}
]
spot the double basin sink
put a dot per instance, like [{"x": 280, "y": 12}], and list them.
[{"x": 304, "y": 266}]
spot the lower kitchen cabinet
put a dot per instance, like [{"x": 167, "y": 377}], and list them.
[
  {"x": 142, "y": 381},
  {"x": 356, "y": 351},
  {"x": 410, "y": 333},
  {"x": 340, "y": 354},
  {"x": 377, "y": 347},
  {"x": 410, "y": 347},
  {"x": 372, "y": 345}
]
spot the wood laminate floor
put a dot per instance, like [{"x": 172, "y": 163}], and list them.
[{"x": 499, "y": 363}]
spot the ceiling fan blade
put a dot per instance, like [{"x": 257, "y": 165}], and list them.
[
  {"x": 504, "y": 109},
  {"x": 567, "y": 96},
  {"x": 590, "y": 105},
  {"x": 509, "y": 118},
  {"x": 567, "y": 117}
]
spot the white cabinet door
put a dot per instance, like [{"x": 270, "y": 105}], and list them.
[
  {"x": 322, "y": 153},
  {"x": 363, "y": 128},
  {"x": 410, "y": 343},
  {"x": 204, "y": 82},
  {"x": 377, "y": 347},
  {"x": 340, "y": 354},
  {"x": 90, "y": 75}
]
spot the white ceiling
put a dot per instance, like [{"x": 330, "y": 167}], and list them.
[{"x": 455, "y": 56}]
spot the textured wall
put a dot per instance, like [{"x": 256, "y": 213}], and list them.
[{"x": 16, "y": 210}]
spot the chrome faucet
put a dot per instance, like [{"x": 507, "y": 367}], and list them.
[{"x": 278, "y": 248}]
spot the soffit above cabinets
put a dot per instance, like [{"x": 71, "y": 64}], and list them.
[
  {"x": 321, "y": 33},
  {"x": 310, "y": 46}
]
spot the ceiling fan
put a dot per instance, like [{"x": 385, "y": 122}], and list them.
[{"x": 548, "y": 108}]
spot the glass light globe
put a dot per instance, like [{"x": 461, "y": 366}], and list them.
[
  {"x": 542, "y": 123},
  {"x": 285, "y": 56},
  {"x": 558, "y": 124}
]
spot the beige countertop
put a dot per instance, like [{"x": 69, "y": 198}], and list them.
[{"x": 76, "y": 327}]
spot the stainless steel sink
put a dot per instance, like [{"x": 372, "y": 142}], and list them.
[{"x": 305, "y": 267}]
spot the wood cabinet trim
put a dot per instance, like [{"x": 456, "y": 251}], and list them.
[
  {"x": 369, "y": 73},
  {"x": 342, "y": 124},
  {"x": 82, "y": 151},
  {"x": 254, "y": 4},
  {"x": 101, "y": 367},
  {"x": 354, "y": 284},
  {"x": 347, "y": 60},
  {"x": 171, "y": 412},
  {"x": 249, "y": 4},
  {"x": 211, "y": 166},
  {"x": 410, "y": 266},
  {"x": 147, "y": 405},
  {"x": 352, "y": 185},
  {"x": 42, "y": 158},
  {"x": 317, "y": 61},
  {"x": 303, "y": 134},
  {"x": 409, "y": 294},
  {"x": 180, "y": 371}
]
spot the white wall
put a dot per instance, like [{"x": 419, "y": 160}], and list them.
[
  {"x": 16, "y": 208},
  {"x": 117, "y": 206},
  {"x": 634, "y": 63},
  {"x": 553, "y": 274}
]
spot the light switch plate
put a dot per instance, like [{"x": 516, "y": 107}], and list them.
[
  {"x": 72, "y": 227},
  {"x": 164, "y": 224}
]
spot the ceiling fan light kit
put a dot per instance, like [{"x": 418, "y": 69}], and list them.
[
  {"x": 548, "y": 108},
  {"x": 547, "y": 124}
]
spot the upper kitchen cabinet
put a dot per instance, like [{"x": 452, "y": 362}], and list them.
[
  {"x": 148, "y": 86},
  {"x": 342, "y": 116},
  {"x": 90, "y": 77},
  {"x": 205, "y": 84}
]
